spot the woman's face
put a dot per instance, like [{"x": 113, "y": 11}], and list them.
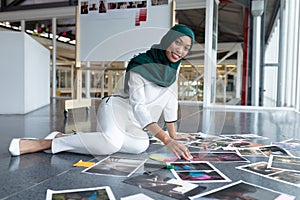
[{"x": 179, "y": 48}]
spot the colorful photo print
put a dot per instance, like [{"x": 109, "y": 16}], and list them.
[
  {"x": 164, "y": 185},
  {"x": 197, "y": 172},
  {"x": 103, "y": 193},
  {"x": 163, "y": 157},
  {"x": 115, "y": 166},
  {"x": 244, "y": 190},
  {"x": 180, "y": 166},
  {"x": 285, "y": 163},
  {"x": 218, "y": 157},
  {"x": 260, "y": 168},
  {"x": 274, "y": 150}
]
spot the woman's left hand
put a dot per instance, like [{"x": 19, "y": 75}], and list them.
[{"x": 184, "y": 136}]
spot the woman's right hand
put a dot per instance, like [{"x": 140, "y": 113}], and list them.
[{"x": 178, "y": 149}]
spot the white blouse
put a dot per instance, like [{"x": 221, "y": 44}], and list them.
[{"x": 149, "y": 101}]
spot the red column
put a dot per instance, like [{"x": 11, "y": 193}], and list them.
[{"x": 245, "y": 58}]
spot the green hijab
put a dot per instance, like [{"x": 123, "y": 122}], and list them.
[{"x": 154, "y": 65}]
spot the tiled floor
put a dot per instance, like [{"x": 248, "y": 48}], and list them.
[{"x": 29, "y": 176}]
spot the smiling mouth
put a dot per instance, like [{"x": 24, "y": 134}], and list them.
[{"x": 175, "y": 56}]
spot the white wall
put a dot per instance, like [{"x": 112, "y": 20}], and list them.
[
  {"x": 25, "y": 73},
  {"x": 114, "y": 36}
]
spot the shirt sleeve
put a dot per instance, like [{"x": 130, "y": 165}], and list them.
[
  {"x": 171, "y": 109},
  {"x": 137, "y": 100}
]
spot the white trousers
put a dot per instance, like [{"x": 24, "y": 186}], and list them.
[{"x": 117, "y": 132}]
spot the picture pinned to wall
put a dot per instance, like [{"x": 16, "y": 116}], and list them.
[
  {"x": 84, "y": 7},
  {"x": 126, "y": 5},
  {"x": 108, "y": 9},
  {"x": 159, "y": 2},
  {"x": 93, "y": 7},
  {"x": 141, "y": 16}
]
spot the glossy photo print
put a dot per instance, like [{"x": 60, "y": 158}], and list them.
[
  {"x": 285, "y": 163},
  {"x": 262, "y": 169},
  {"x": 198, "y": 172},
  {"x": 290, "y": 144},
  {"x": 165, "y": 185},
  {"x": 274, "y": 150},
  {"x": 218, "y": 157},
  {"x": 115, "y": 166},
  {"x": 243, "y": 190}
]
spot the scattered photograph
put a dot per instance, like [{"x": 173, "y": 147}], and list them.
[
  {"x": 218, "y": 156},
  {"x": 250, "y": 152},
  {"x": 207, "y": 145},
  {"x": 244, "y": 137},
  {"x": 261, "y": 168},
  {"x": 115, "y": 166},
  {"x": 284, "y": 162},
  {"x": 103, "y": 193},
  {"x": 288, "y": 177},
  {"x": 165, "y": 185},
  {"x": 244, "y": 190},
  {"x": 274, "y": 150},
  {"x": 197, "y": 172},
  {"x": 290, "y": 144},
  {"x": 245, "y": 144}
]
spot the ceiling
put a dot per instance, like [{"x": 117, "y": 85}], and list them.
[{"x": 230, "y": 21}]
